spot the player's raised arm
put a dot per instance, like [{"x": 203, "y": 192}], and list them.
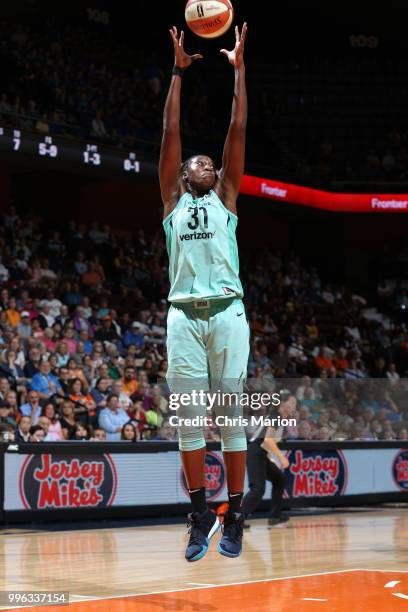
[
  {"x": 170, "y": 152},
  {"x": 234, "y": 147}
]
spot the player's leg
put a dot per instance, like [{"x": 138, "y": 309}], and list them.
[
  {"x": 187, "y": 373},
  {"x": 228, "y": 350}
]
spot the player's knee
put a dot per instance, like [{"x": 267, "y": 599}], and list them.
[
  {"x": 233, "y": 439},
  {"x": 191, "y": 439}
]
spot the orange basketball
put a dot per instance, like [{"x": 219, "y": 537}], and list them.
[{"x": 209, "y": 18}]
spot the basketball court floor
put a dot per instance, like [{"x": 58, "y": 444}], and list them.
[{"x": 335, "y": 562}]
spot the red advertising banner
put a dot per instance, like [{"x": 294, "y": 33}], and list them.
[{"x": 323, "y": 200}]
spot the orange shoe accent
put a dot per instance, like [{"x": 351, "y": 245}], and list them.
[{"x": 221, "y": 510}]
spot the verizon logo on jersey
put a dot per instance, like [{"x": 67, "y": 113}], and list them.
[{"x": 197, "y": 235}]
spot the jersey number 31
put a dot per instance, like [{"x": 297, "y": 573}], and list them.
[{"x": 193, "y": 224}]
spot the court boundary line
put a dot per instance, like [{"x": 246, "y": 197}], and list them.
[
  {"x": 182, "y": 590},
  {"x": 85, "y": 598}
]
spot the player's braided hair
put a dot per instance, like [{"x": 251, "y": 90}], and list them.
[{"x": 186, "y": 163}]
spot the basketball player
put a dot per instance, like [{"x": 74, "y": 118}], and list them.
[{"x": 207, "y": 330}]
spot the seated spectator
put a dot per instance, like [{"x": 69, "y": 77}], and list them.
[
  {"x": 354, "y": 371},
  {"x": 37, "y": 434},
  {"x": 92, "y": 277},
  {"x": 24, "y": 327},
  {"x": 76, "y": 370},
  {"x": 137, "y": 415},
  {"x": 112, "y": 418},
  {"x": 81, "y": 323},
  {"x": 340, "y": 361},
  {"x": 323, "y": 361},
  {"x": 67, "y": 419},
  {"x": 157, "y": 332},
  {"x": 312, "y": 330},
  {"x": 100, "y": 393},
  {"x": 143, "y": 395},
  {"x": 44, "y": 422},
  {"x": 4, "y": 388},
  {"x": 62, "y": 354},
  {"x": 134, "y": 335},
  {"x": 6, "y": 418},
  {"x": 32, "y": 407},
  {"x": 32, "y": 367},
  {"x": 296, "y": 351},
  {"x": 166, "y": 432},
  {"x": 129, "y": 382},
  {"x": 84, "y": 403},
  {"x": 114, "y": 369},
  {"x": 280, "y": 358},
  {"x": 99, "y": 435},
  {"x": 22, "y": 432},
  {"x": 129, "y": 433},
  {"x": 10, "y": 399},
  {"x": 392, "y": 373},
  {"x": 12, "y": 313},
  {"x": 45, "y": 383},
  {"x": 69, "y": 337},
  {"x": 12, "y": 370},
  {"x": 54, "y": 431},
  {"x": 82, "y": 432},
  {"x": 304, "y": 431}
]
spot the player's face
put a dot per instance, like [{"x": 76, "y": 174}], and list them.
[{"x": 201, "y": 173}]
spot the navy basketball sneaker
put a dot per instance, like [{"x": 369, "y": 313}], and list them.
[
  {"x": 230, "y": 544},
  {"x": 202, "y": 528}
]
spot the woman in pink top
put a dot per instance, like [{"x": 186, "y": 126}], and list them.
[
  {"x": 69, "y": 339},
  {"x": 55, "y": 429}
]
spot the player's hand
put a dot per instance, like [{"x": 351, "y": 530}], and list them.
[
  {"x": 285, "y": 462},
  {"x": 236, "y": 56},
  {"x": 181, "y": 58}
]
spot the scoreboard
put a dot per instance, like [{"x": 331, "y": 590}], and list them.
[{"x": 63, "y": 153}]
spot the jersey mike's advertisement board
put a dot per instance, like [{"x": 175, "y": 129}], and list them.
[{"x": 49, "y": 481}]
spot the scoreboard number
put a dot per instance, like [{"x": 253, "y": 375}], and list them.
[
  {"x": 47, "y": 148},
  {"x": 131, "y": 164},
  {"x": 91, "y": 155},
  {"x": 16, "y": 139}
]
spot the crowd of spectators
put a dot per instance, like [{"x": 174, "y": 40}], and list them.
[
  {"x": 83, "y": 340},
  {"x": 311, "y": 120},
  {"x": 75, "y": 81}
]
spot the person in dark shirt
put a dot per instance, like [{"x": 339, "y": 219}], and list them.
[
  {"x": 22, "y": 433},
  {"x": 67, "y": 419},
  {"x": 107, "y": 333},
  {"x": 32, "y": 367}
]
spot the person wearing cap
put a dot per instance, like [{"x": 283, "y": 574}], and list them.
[
  {"x": 24, "y": 327},
  {"x": 134, "y": 335}
]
